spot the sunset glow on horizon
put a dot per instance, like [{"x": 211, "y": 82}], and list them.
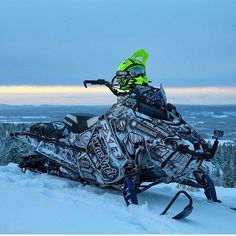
[
  {"x": 58, "y": 89},
  {"x": 100, "y": 95}
]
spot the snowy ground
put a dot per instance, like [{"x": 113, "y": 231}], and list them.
[{"x": 32, "y": 203}]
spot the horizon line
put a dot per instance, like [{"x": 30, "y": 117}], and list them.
[
  {"x": 97, "y": 95},
  {"x": 100, "y": 89},
  {"x": 92, "y": 105}
]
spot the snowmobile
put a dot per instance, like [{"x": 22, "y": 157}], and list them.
[{"x": 126, "y": 148}]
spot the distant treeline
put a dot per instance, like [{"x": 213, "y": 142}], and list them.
[
  {"x": 10, "y": 149},
  {"x": 222, "y": 169}
]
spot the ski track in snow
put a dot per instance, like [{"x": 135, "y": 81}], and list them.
[{"x": 34, "y": 203}]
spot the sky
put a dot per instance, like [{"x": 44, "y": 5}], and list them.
[{"x": 191, "y": 44}]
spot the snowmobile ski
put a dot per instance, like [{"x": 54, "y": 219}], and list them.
[{"x": 186, "y": 211}]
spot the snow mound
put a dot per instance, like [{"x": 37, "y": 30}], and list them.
[{"x": 33, "y": 203}]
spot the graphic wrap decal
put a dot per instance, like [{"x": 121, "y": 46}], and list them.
[
  {"x": 149, "y": 128},
  {"x": 130, "y": 140},
  {"x": 121, "y": 124},
  {"x": 143, "y": 128},
  {"x": 87, "y": 169},
  {"x": 64, "y": 155},
  {"x": 101, "y": 158},
  {"x": 110, "y": 140},
  {"x": 83, "y": 139},
  {"x": 160, "y": 152}
]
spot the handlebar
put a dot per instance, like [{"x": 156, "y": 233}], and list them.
[
  {"x": 106, "y": 83},
  {"x": 96, "y": 82}
]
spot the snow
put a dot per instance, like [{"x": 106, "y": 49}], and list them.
[
  {"x": 34, "y": 203},
  {"x": 219, "y": 116},
  {"x": 34, "y": 117}
]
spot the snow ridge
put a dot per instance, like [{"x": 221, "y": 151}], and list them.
[{"x": 33, "y": 203}]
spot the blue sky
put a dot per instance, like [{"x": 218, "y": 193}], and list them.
[{"x": 55, "y": 42}]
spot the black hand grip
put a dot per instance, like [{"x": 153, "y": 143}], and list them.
[
  {"x": 106, "y": 83},
  {"x": 96, "y": 82}
]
